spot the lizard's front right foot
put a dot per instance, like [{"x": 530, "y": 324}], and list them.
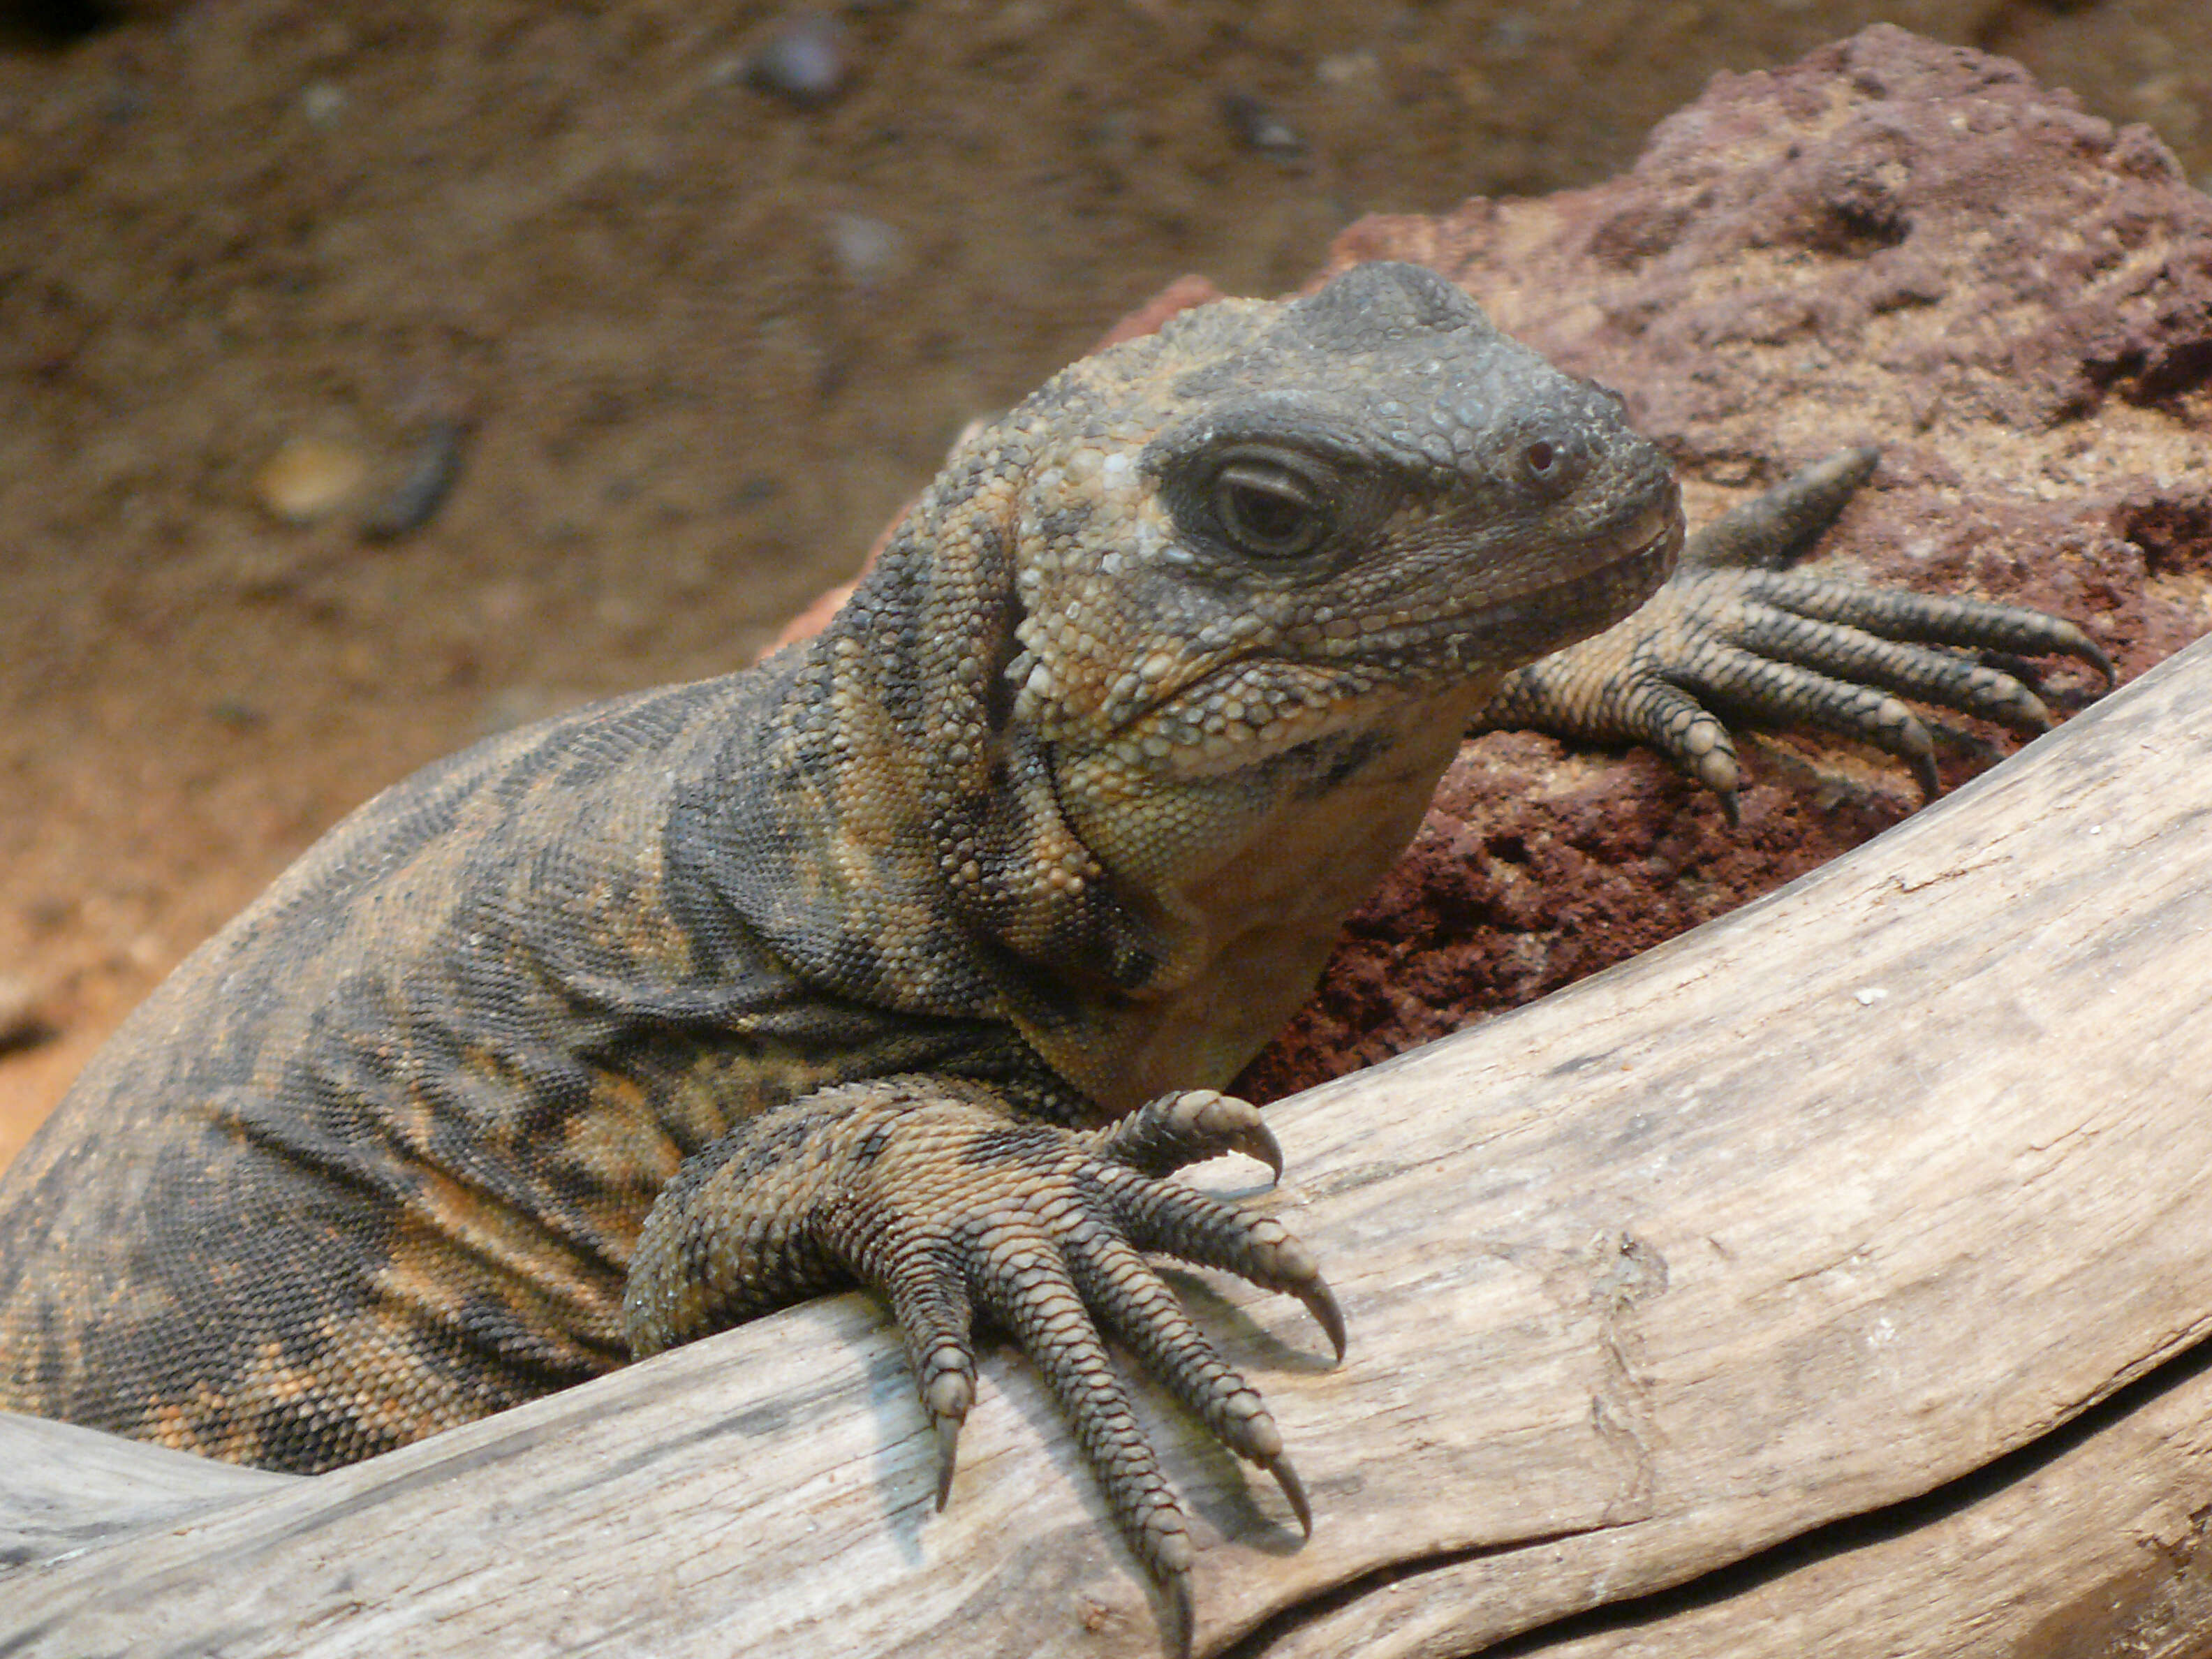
[{"x": 934, "y": 1193}]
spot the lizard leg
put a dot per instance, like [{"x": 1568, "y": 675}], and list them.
[
  {"x": 955, "y": 1205},
  {"x": 1731, "y": 632}
]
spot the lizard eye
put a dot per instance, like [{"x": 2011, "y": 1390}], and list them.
[{"x": 1267, "y": 510}]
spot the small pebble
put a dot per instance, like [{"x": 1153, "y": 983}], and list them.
[
  {"x": 21, "y": 1021},
  {"x": 1260, "y": 128},
  {"x": 310, "y": 478},
  {"x": 805, "y": 62},
  {"x": 868, "y": 251},
  {"x": 322, "y": 103},
  {"x": 1350, "y": 69},
  {"x": 433, "y": 466},
  {"x": 1514, "y": 32}
]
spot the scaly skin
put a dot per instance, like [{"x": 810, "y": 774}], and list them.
[{"x": 912, "y": 957}]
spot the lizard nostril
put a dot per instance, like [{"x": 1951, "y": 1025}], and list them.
[{"x": 1540, "y": 457}]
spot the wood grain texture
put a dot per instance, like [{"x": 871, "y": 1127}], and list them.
[
  {"x": 1830, "y": 1203},
  {"x": 63, "y": 1487}
]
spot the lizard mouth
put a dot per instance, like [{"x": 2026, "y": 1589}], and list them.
[
  {"x": 1594, "y": 591},
  {"x": 1233, "y": 710},
  {"x": 1556, "y": 614}
]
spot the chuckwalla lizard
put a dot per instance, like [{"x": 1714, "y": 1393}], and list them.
[{"x": 914, "y": 955}]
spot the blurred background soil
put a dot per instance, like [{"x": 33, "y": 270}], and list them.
[{"x": 373, "y": 376}]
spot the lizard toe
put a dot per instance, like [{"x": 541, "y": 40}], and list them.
[
  {"x": 1175, "y": 1220},
  {"x": 1021, "y": 1276},
  {"x": 930, "y": 1305},
  {"x": 1937, "y": 619},
  {"x": 1786, "y": 693},
  {"x": 1131, "y": 1300},
  {"x": 1186, "y": 1127}
]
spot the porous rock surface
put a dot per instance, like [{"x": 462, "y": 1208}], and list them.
[{"x": 1891, "y": 241}]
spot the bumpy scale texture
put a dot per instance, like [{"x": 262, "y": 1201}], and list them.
[{"x": 914, "y": 955}]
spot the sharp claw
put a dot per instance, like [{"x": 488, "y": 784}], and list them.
[
  {"x": 1321, "y": 1305},
  {"x": 1714, "y": 765},
  {"x": 1181, "y": 1616},
  {"x": 1729, "y": 809},
  {"x": 2072, "y": 642},
  {"x": 1923, "y": 773},
  {"x": 948, "y": 1447},
  {"x": 1294, "y": 1490},
  {"x": 1259, "y": 1143}
]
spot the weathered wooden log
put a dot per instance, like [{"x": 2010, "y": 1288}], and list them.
[{"x": 1823, "y": 1208}]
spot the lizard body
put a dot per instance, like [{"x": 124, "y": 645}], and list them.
[{"x": 913, "y": 955}]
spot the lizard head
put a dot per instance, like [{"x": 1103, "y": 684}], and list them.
[
  {"x": 1158, "y": 676},
  {"x": 1270, "y": 519}
]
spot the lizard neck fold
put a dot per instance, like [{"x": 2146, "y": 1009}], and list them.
[{"x": 908, "y": 844}]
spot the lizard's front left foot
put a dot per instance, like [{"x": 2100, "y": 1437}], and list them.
[
  {"x": 1730, "y": 632},
  {"x": 932, "y": 1192}
]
